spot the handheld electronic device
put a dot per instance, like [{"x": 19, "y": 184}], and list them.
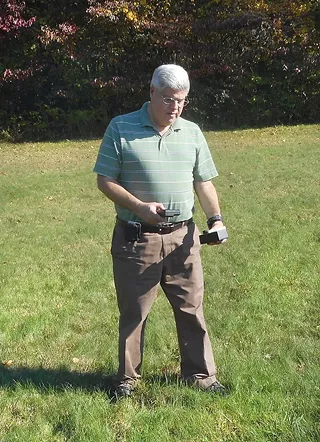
[
  {"x": 167, "y": 213},
  {"x": 213, "y": 237}
]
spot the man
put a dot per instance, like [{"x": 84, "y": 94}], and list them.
[{"x": 151, "y": 160}]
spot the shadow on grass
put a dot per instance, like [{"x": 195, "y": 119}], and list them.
[
  {"x": 62, "y": 379},
  {"x": 56, "y": 379}
]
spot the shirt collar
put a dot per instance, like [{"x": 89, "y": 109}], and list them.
[{"x": 144, "y": 115}]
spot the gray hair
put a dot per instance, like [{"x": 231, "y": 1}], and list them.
[{"x": 172, "y": 76}]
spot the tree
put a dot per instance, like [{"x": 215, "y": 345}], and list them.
[{"x": 68, "y": 67}]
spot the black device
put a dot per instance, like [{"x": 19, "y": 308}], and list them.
[
  {"x": 213, "y": 237},
  {"x": 167, "y": 213},
  {"x": 132, "y": 231}
]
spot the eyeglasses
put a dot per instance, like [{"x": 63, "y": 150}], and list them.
[{"x": 182, "y": 102}]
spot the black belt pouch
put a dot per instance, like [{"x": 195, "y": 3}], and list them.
[{"x": 132, "y": 231}]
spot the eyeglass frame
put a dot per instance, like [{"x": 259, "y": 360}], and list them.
[{"x": 182, "y": 102}]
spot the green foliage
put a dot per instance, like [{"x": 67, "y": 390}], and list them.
[{"x": 96, "y": 58}]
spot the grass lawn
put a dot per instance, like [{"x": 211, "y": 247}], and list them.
[{"x": 58, "y": 321}]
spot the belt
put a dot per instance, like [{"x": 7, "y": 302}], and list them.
[{"x": 162, "y": 228}]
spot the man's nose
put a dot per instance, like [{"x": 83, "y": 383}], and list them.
[{"x": 175, "y": 104}]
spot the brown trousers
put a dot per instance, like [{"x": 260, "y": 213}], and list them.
[{"x": 173, "y": 260}]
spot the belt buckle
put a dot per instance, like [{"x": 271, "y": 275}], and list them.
[{"x": 165, "y": 226}]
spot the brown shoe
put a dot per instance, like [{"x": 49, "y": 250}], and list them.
[
  {"x": 217, "y": 388},
  {"x": 123, "y": 390}
]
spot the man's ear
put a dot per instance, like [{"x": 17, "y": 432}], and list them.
[{"x": 152, "y": 89}]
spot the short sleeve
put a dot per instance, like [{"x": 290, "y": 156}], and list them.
[
  {"x": 109, "y": 160},
  {"x": 205, "y": 168}
]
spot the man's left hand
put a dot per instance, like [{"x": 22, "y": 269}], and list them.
[{"x": 217, "y": 225}]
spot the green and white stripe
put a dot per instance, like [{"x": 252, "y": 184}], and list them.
[{"x": 153, "y": 167}]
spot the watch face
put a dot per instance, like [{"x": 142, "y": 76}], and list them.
[{"x": 213, "y": 219}]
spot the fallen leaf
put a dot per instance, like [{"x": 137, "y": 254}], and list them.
[{"x": 300, "y": 368}]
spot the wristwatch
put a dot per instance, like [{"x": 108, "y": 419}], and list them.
[{"x": 213, "y": 219}]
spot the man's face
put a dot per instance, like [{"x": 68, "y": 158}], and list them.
[{"x": 164, "y": 115}]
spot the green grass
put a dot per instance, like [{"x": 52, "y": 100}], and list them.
[{"x": 58, "y": 321}]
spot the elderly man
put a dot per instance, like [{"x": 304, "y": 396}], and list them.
[{"x": 151, "y": 160}]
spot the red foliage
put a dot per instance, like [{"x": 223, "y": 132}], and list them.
[{"x": 11, "y": 19}]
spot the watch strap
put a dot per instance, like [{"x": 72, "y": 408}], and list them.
[{"x": 213, "y": 219}]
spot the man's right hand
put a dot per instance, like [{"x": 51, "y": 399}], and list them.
[{"x": 149, "y": 212}]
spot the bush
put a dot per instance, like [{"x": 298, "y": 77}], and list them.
[{"x": 69, "y": 68}]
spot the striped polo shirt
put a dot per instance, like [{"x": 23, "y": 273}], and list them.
[{"x": 153, "y": 167}]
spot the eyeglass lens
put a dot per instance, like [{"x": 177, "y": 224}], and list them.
[{"x": 181, "y": 102}]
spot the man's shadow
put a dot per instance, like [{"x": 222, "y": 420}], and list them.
[{"x": 47, "y": 379}]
